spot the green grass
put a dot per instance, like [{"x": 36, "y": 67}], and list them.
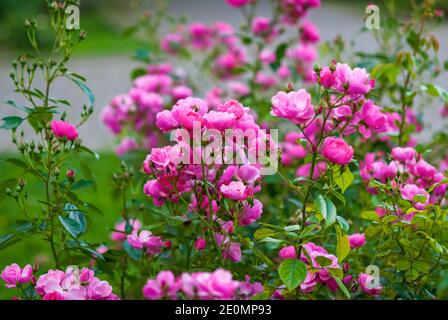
[{"x": 35, "y": 250}]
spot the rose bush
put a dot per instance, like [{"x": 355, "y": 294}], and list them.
[{"x": 264, "y": 176}]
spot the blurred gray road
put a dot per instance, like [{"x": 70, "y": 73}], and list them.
[{"x": 109, "y": 76}]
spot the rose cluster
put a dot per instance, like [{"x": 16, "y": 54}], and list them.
[
  {"x": 219, "y": 39},
  {"x": 134, "y": 113},
  {"x": 73, "y": 284},
  {"x": 344, "y": 110},
  {"x": 222, "y": 180},
  {"x": 407, "y": 173},
  {"x": 217, "y": 285}
]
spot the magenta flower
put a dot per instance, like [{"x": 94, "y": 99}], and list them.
[
  {"x": 357, "y": 240},
  {"x": 288, "y": 252},
  {"x": 251, "y": 214},
  {"x": 294, "y": 106},
  {"x": 365, "y": 282},
  {"x": 410, "y": 191},
  {"x": 62, "y": 129},
  {"x": 119, "y": 234},
  {"x": 13, "y": 275},
  {"x": 337, "y": 151},
  {"x": 73, "y": 285},
  {"x": 235, "y": 190},
  {"x": 165, "y": 284},
  {"x": 200, "y": 244},
  {"x": 403, "y": 154}
]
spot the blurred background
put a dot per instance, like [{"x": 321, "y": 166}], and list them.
[{"x": 105, "y": 57}]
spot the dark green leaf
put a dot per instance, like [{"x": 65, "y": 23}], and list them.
[
  {"x": 292, "y": 272},
  {"x": 72, "y": 226},
  {"x": 11, "y": 122}
]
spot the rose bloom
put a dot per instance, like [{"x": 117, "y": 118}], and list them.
[
  {"x": 295, "y": 106},
  {"x": 62, "y": 129},
  {"x": 357, "y": 240},
  {"x": 235, "y": 190},
  {"x": 337, "y": 151},
  {"x": 200, "y": 244},
  {"x": 364, "y": 280},
  {"x": 403, "y": 154},
  {"x": 13, "y": 275},
  {"x": 288, "y": 252}
]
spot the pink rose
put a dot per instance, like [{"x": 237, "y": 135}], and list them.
[
  {"x": 165, "y": 284},
  {"x": 267, "y": 56},
  {"x": 232, "y": 252},
  {"x": 219, "y": 120},
  {"x": 181, "y": 92},
  {"x": 403, "y": 154},
  {"x": 410, "y": 191},
  {"x": 165, "y": 121},
  {"x": 319, "y": 169},
  {"x": 127, "y": 144},
  {"x": 235, "y": 190},
  {"x": 295, "y": 106},
  {"x": 120, "y": 229},
  {"x": 288, "y": 252},
  {"x": 261, "y": 26},
  {"x": 310, "y": 33},
  {"x": 365, "y": 282},
  {"x": 200, "y": 244},
  {"x": 251, "y": 214},
  {"x": 62, "y": 129},
  {"x": 357, "y": 240},
  {"x": 99, "y": 290},
  {"x": 13, "y": 275},
  {"x": 248, "y": 173},
  {"x": 337, "y": 151}
]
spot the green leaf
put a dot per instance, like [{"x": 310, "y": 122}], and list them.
[
  {"x": 11, "y": 122},
  {"x": 138, "y": 73},
  {"x": 86, "y": 90},
  {"x": 323, "y": 261},
  {"x": 343, "y": 244},
  {"x": 76, "y": 215},
  {"x": 151, "y": 226},
  {"x": 370, "y": 215},
  {"x": 263, "y": 233},
  {"x": 343, "y": 223},
  {"x": 260, "y": 255},
  {"x": 343, "y": 287},
  {"x": 72, "y": 226},
  {"x": 292, "y": 272},
  {"x": 403, "y": 264},
  {"x": 21, "y": 108},
  {"x": 343, "y": 177},
  {"x": 82, "y": 184},
  {"x": 327, "y": 208},
  {"x": 8, "y": 240},
  {"x": 271, "y": 240},
  {"x": 435, "y": 91},
  {"x": 87, "y": 150}
]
